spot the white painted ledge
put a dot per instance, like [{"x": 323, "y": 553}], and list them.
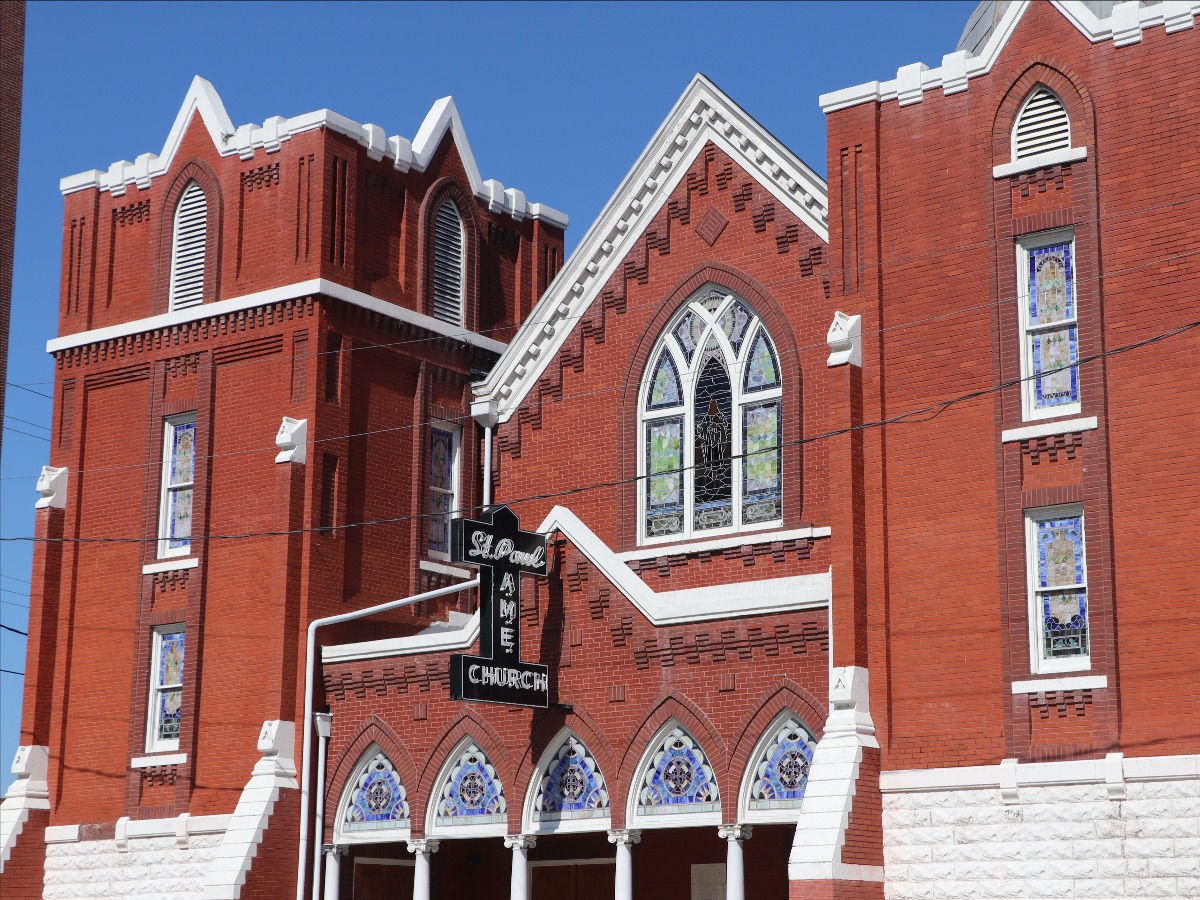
[
  {"x": 1073, "y": 683},
  {"x": 163, "y": 759},
  {"x": 751, "y": 538},
  {"x": 264, "y": 298},
  {"x": 170, "y": 565},
  {"x": 1048, "y": 429},
  {"x": 443, "y": 569},
  {"x": 149, "y": 828},
  {"x": 1040, "y": 161}
]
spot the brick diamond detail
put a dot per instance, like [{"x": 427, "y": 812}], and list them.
[{"x": 711, "y": 226}]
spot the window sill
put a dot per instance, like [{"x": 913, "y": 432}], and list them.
[
  {"x": 170, "y": 565},
  {"x": 1041, "y": 161},
  {"x": 161, "y": 759},
  {"x": 1068, "y": 683},
  {"x": 1048, "y": 429},
  {"x": 443, "y": 569},
  {"x": 651, "y": 551}
]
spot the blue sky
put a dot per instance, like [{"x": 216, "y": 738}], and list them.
[{"x": 557, "y": 99}]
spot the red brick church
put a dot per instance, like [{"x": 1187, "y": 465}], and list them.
[{"x": 798, "y": 531}]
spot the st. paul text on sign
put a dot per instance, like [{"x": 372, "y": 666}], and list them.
[{"x": 503, "y": 554}]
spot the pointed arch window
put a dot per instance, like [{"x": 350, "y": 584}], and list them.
[
  {"x": 449, "y": 263},
  {"x": 188, "y": 244},
  {"x": 781, "y": 771},
  {"x": 377, "y": 799},
  {"x": 471, "y": 792},
  {"x": 572, "y": 786},
  {"x": 677, "y": 778},
  {"x": 710, "y": 457},
  {"x": 1042, "y": 125}
]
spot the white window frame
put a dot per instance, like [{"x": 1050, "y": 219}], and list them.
[
  {"x": 1025, "y": 244},
  {"x": 455, "y": 491},
  {"x": 1038, "y": 664},
  {"x": 153, "y": 743},
  {"x": 166, "y": 489},
  {"x": 741, "y": 400}
]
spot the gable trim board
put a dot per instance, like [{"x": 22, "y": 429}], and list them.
[
  {"x": 244, "y": 140},
  {"x": 703, "y": 114},
  {"x": 1124, "y": 27}
]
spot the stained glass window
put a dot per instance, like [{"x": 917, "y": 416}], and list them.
[
  {"x": 678, "y": 778},
  {"x": 166, "y": 688},
  {"x": 443, "y": 486},
  {"x": 782, "y": 770},
  {"x": 179, "y": 461},
  {"x": 1060, "y": 586},
  {"x": 378, "y": 799},
  {"x": 711, "y": 459},
  {"x": 1051, "y": 329},
  {"x": 471, "y": 792},
  {"x": 572, "y": 787}
]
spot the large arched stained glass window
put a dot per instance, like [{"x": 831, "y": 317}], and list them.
[
  {"x": 781, "y": 773},
  {"x": 572, "y": 787},
  {"x": 711, "y": 453},
  {"x": 677, "y": 778},
  {"x": 471, "y": 791},
  {"x": 377, "y": 797}
]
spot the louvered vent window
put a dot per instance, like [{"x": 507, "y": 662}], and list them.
[
  {"x": 448, "y": 259},
  {"x": 1042, "y": 126},
  {"x": 187, "y": 249}
]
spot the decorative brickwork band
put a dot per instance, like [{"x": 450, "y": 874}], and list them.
[{"x": 1051, "y": 445}]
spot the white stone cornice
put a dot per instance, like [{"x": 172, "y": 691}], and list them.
[
  {"x": 704, "y": 113},
  {"x": 245, "y": 140}
]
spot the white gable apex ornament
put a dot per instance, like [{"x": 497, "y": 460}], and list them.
[
  {"x": 702, "y": 114},
  {"x": 246, "y": 140}
]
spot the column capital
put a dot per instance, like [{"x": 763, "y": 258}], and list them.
[
  {"x": 422, "y": 846},
  {"x": 335, "y": 850},
  {"x": 734, "y": 832},
  {"x": 520, "y": 841},
  {"x": 625, "y": 836}
]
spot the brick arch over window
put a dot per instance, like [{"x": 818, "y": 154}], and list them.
[
  {"x": 373, "y": 731},
  {"x": 203, "y": 174},
  {"x": 1069, "y": 89},
  {"x": 788, "y": 358},
  {"x": 549, "y": 728},
  {"x": 787, "y": 695},
  {"x": 448, "y": 189}
]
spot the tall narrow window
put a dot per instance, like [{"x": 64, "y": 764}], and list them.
[
  {"x": 449, "y": 262},
  {"x": 1049, "y": 325},
  {"x": 710, "y": 423},
  {"x": 175, "y": 502},
  {"x": 166, "y": 688},
  {"x": 443, "y": 486},
  {"x": 1042, "y": 125},
  {"x": 187, "y": 248},
  {"x": 1058, "y": 598}
]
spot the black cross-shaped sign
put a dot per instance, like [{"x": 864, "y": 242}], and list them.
[{"x": 503, "y": 553}]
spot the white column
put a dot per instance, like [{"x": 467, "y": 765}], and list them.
[
  {"x": 422, "y": 849},
  {"x": 333, "y": 869},
  {"x": 735, "y": 870},
  {"x": 520, "y": 845},
  {"x": 624, "y": 839}
]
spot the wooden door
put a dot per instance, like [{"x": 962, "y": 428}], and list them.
[
  {"x": 588, "y": 882},
  {"x": 375, "y": 881}
]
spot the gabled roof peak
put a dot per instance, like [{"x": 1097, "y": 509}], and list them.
[{"x": 246, "y": 140}]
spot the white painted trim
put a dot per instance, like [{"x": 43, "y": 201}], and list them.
[
  {"x": 170, "y": 565},
  {"x": 162, "y": 759},
  {"x": 263, "y": 298},
  {"x": 1070, "y": 683},
  {"x": 835, "y": 871},
  {"x": 439, "y": 637},
  {"x": 957, "y": 68},
  {"x": 752, "y": 538},
  {"x": 244, "y": 140},
  {"x": 1049, "y": 429},
  {"x": 30, "y": 791},
  {"x": 701, "y": 115},
  {"x": 148, "y": 828},
  {"x": 1041, "y": 161},
  {"x": 443, "y": 569},
  {"x": 62, "y": 834}
]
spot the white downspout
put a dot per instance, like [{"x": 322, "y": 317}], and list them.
[
  {"x": 309, "y": 655},
  {"x": 487, "y": 465},
  {"x": 322, "y": 721}
]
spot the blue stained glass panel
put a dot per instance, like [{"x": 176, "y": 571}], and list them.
[
  {"x": 471, "y": 792},
  {"x": 379, "y": 799},
  {"x": 688, "y": 332},
  {"x": 1060, "y": 552},
  {"x": 180, "y": 518},
  {"x": 573, "y": 787},
  {"x": 664, "y": 387},
  {"x": 1064, "y": 624},
  {"x": 735, "y": 322},
  {"x": 782, "y": 772},
  {"x": 1051, "y": 291},
  {"x": 183, "y": 452},
  {"x": 1056, "y": 375},
  {"x": 679, "y": 778},
  {"x": 762, "y": 370},
  {"x": 441, "y": 458},
  {"x": 438, "y": 523},
  {"x": 170, "y": 676}
]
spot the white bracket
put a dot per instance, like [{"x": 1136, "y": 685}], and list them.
[
  {"x": 292, "y": 441},
  {"x": 52, "y": 485},
  {"x": 845, "y": 340}
]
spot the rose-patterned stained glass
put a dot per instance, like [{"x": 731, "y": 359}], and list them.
[
  {"x": 169, "y": 687},
  {"x": 735, "y": 322},
  {"x": 678, "y": 778},
  {"x": 572, "y": 787},
  {"x": 665, "y": 391},
  {"x": 713, "y": 466},
  {"x": 180, "y": 473},
  {"x": 664, "y": 481},
  {"x": 762, "y": 479},
  {"x": 781, "y": 774},
  {"x": 1060, "y": 564},
  {"x": 688, "y": 332},
  {"x": 762, "y": 371},
  {"x": 378, "y": 799},
  {"x": 1051, "y": 287},
  {"x": 1056, "y": 375},
  {"x": 183, "y": 453},
  {"x": 441, "y": 488},
  {"x": 471, "y": 792}
]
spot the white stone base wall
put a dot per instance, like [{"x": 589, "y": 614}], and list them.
[
  {"x": 150, "y": 867},
  {"x": 1067, "y": 840}
]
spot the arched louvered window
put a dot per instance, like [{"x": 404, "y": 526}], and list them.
[
  {"x": 1042, "y": 125},
  {"x": 187, "y": 248},
  {"x": 449, "y": 263}
]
